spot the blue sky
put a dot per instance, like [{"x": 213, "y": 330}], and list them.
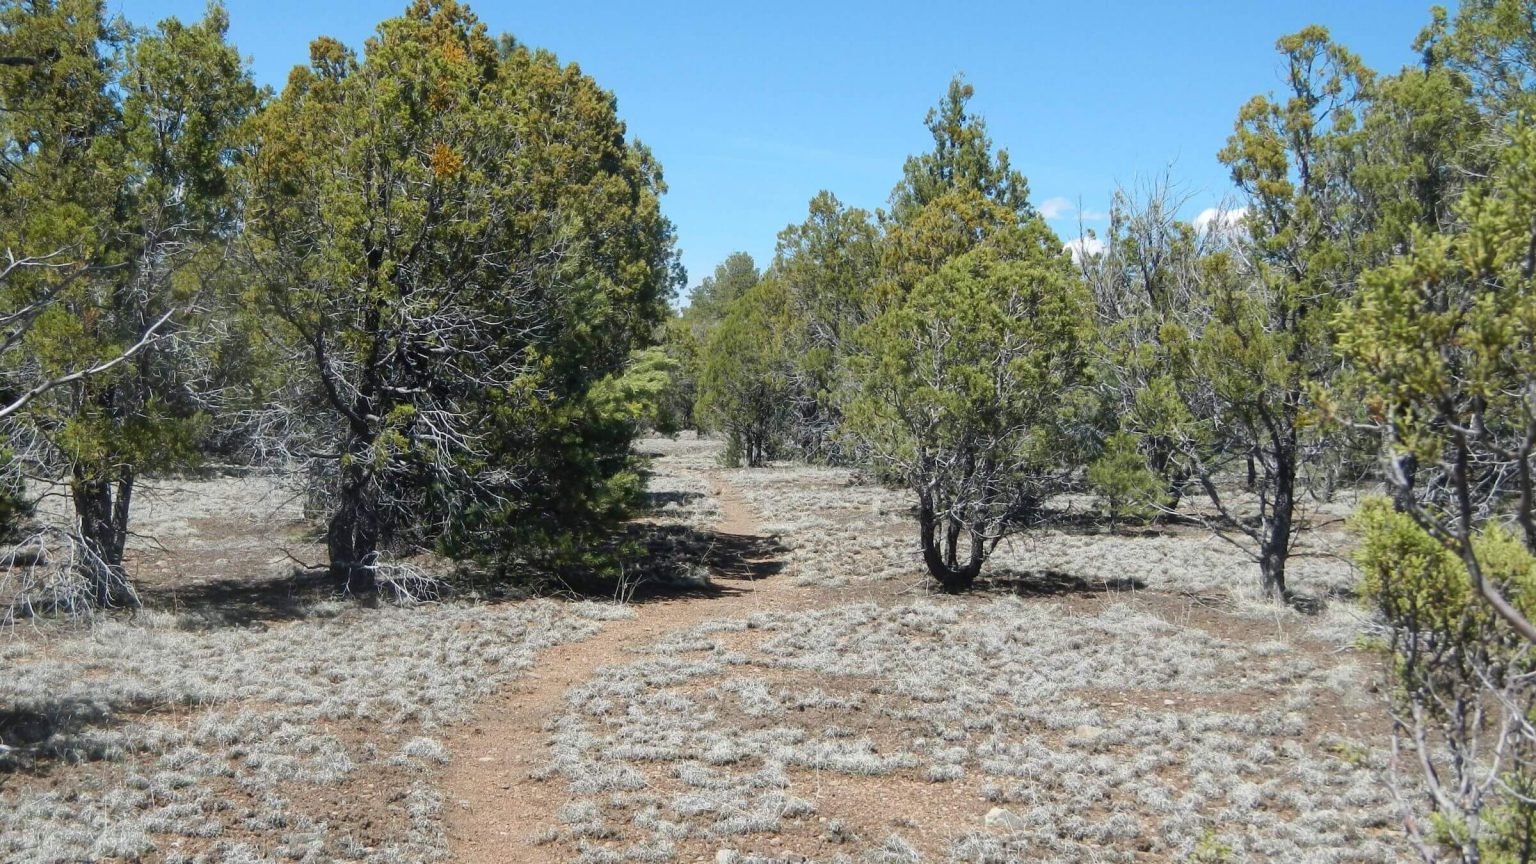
[{"x": 752, "y": 109}]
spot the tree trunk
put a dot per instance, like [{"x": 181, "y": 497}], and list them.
[
  {"x": 352, "y": 537},
  {"x": 940, "y": 554},
  {"x": 1402, "y": 496},
  {"x": 1276, "y": 547},
  {"x": 101, "y": 512}
]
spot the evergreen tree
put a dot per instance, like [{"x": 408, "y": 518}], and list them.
[
  {"x": 119, "y": 146},
  {"x": 960, "y": 390},
  {"x": 461, "y": 245},
  {"x": 744, "y": 383},
  {"x": 827, "y": 265}
]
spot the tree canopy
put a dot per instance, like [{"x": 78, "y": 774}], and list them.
[{"x": 461, "y": 245}]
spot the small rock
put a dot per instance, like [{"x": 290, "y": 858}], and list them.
[
  {"x": 725, "y": 856},
  {"x": 997, "y": 817}
]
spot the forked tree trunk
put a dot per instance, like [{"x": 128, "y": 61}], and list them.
[
  {"x": 101, "y": 512},
  {"x": 940, "y": 552}
]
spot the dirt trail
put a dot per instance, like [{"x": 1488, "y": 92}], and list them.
[{"x": 494, "y": 809}]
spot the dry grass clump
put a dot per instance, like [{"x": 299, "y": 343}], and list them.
[
  {"x": 675, "y": 486},
  {"x": 1101, "y": 735},
  {"x": 836, "y": 527},
  {"x": 238, "y": 744},
  {"x": 1185, "y": 559},
  {"x": 841, "y": 527}
]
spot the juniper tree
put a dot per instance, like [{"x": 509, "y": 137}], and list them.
[
  {"x": 1213, "y": 341},
  {"x": 1442, "y": 340},
  {"x": 745, "y": 379},
  {"x": 949, "y": 199},
  {"x": 972, "y": 339},
  {"x": 1146, "y": 282},
  {"x": 959, "y": 393},
  {"x": 688, "y": 339},
  {"x": 118, "y": 148},
  {"x": 827, "y": 265},
  {"x": 461, "y": 245},
  {"x": 711, "y": 299}
]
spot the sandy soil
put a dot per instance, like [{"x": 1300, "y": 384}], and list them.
[
  {"x": 1104, "y": 690},
  {"x": 495, "y": 808}
]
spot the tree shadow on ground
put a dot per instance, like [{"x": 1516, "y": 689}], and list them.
[
  {"x": 659, "y": 562},
  {"x": 242, "y": 602},
  {"x": 1052, "y": 583},
  {"x": 655, "y": 501},
  {"x": 681, "y": 561},
  {"x": 63, "y": 729},
  {"x": 1088, "y": 522}
]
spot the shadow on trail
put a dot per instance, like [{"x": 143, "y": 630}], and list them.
[
  {"x": 661, "y": 562},
  {"x": 681, "y": 561}
]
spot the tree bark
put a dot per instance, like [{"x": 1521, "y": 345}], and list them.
[
  {"x": 940, "y": 555},
  {"x": 1403, "y": 496},
  {"x": 101, "y": 512},
  {"x": 1160, "y": 459},
  {"x": 352, "y": 536},
  {"x": 1276, "y": 547}
]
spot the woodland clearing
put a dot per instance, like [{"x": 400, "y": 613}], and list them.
[{"x": 1101, "y": 698}]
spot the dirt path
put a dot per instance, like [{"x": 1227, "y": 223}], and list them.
[{"x": 494, "y": 809}]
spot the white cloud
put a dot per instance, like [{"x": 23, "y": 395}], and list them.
[
  {"x": 1055, "y": 208},
  {"x": 1085, "y": 245},
  {"x": 1217, "y": 219}
]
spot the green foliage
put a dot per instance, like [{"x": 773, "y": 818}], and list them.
[
  {"x": 636, "y": 395},
  {"x": 962, "y": 158},
  {"x": 1125, "y": 485},
  {"x": 712, "y": 298},
  {"x": 959, "y": 391},
  {"x": 1148, "y": 282},
  {"x": 691, "y": 337},
  {"x": 1215, "y": 338},
  {"x": 1439, "y": 341},
  {"x": 1417, "y": 580},
  {"x": 827, "y": 264},
  {"x": 1211, "y": 850},
  {"x": 1454, "y": 654},
  {"x": 117, "y": 184},
  {"x": 744, "y": 384},
  {"x": 463, "y": 248},
  {"x": 1468, "y": 293},
  {"x": 950, "y": 200}
]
